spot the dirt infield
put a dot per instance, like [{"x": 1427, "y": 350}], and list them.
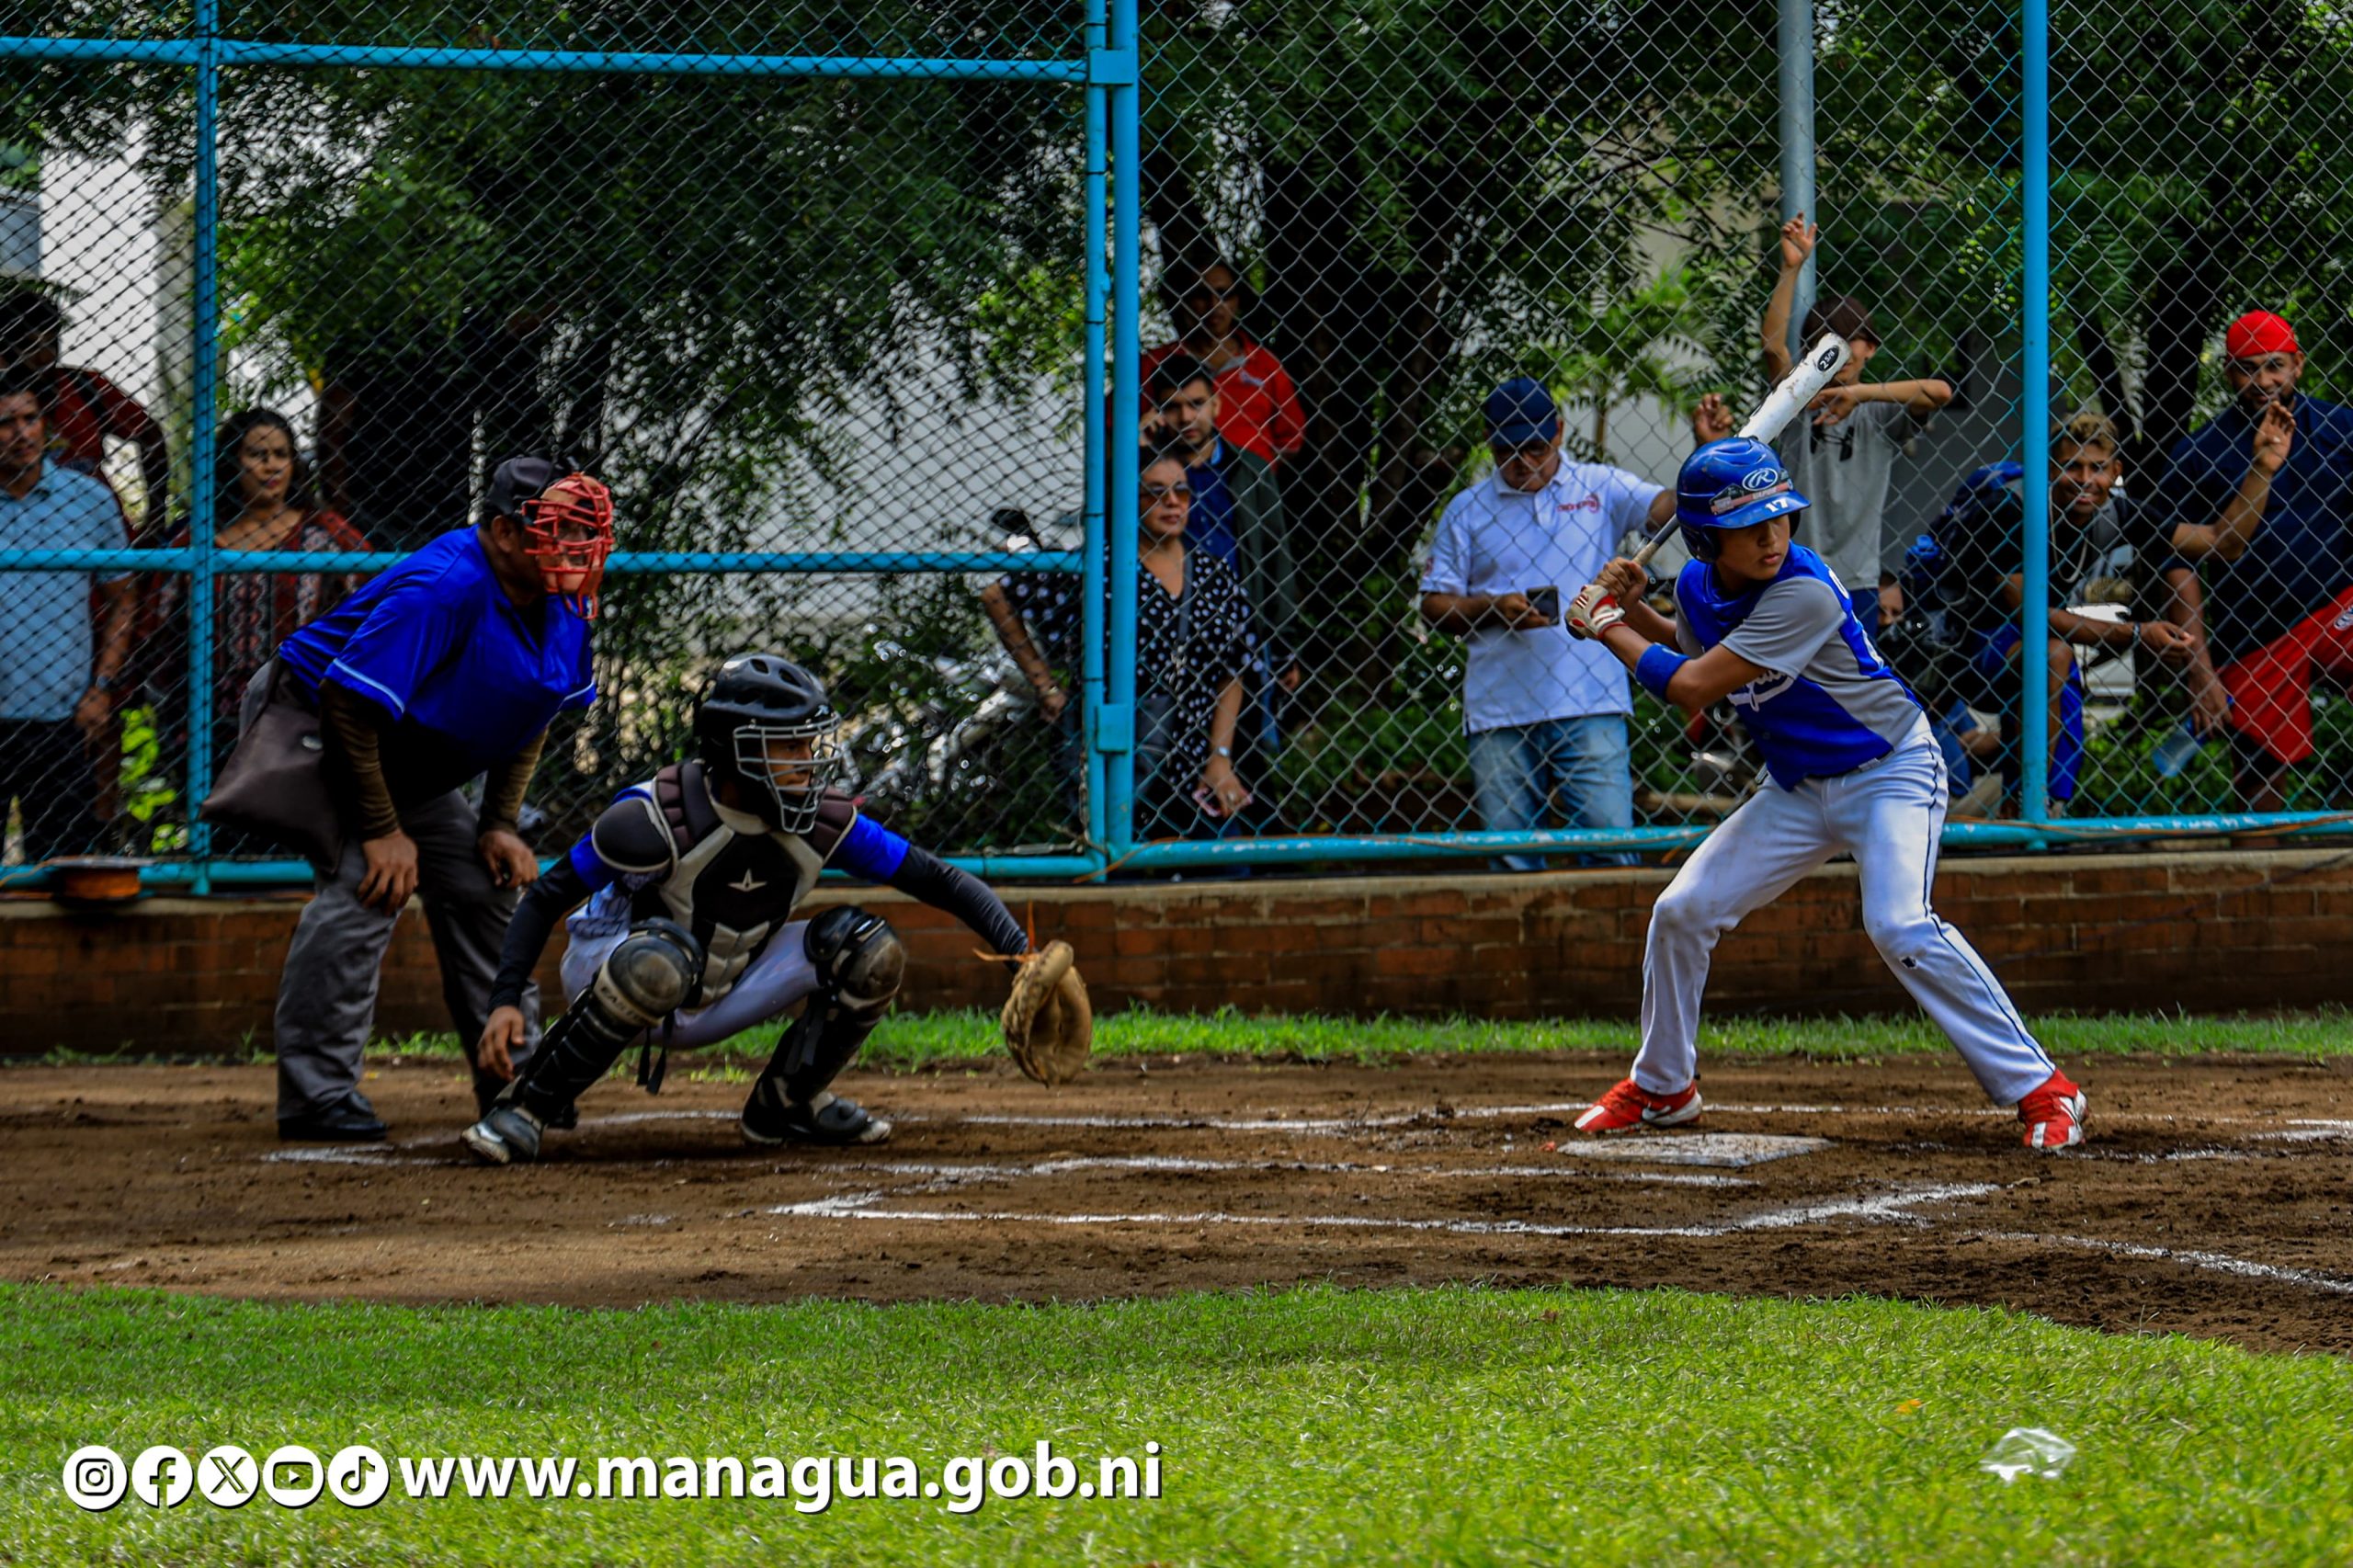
[{"x": 2214, "y": 1199}]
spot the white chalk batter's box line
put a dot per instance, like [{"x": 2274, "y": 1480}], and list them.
[
  {"x": 1891, "y": 1206},
  {"x": 1897, "y": 1207},
  {"x": 985, "y": 1171}
]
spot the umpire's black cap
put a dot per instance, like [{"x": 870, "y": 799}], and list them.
[{"x": 516, "y": 481}]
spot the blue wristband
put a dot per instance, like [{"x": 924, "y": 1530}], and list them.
[{"x": 1657, "y": 667}]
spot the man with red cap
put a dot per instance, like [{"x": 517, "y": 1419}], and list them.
[{"x": 2262, "y": 499}]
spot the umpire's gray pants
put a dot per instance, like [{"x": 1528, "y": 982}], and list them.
[{"x": 326, "y": 998}]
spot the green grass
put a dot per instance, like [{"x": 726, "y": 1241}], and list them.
[
  {"x": 914, "y": 1041},
  {"x": 1305, "y": 1426}
]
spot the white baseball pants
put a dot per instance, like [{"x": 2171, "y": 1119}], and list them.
[
  {"x": 772, "y": 982},
  {"x": 1888, "y": 814}
]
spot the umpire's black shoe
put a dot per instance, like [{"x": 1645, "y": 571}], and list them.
[
  {"x": 770, "y": 1119},
  {"x": 348, "y": 1120}
]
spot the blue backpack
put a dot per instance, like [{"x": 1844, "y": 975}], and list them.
[{"x": 1930, "y": 556}]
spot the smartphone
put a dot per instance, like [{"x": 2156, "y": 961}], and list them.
[{"x": 1546, "y": 601}]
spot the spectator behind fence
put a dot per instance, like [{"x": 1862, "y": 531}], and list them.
[
  {"x": 263, "y": 499},
  {"x": 1981, "y": 537},
  {"x": 1192, "y": 648},
  {"x": 63, "y": 635},
  {"x": 85, "y": 408},
  {"x": 1238, "y": 517},
  {"x": 1843, "y": 457},
  {"x": 2262, "y": 499},
  {"x": 448, "y": 665},
  {"x": 1545, "y": 713},
  {"x": 1258, "y": 408},
  {"x": 1036, "y": 616}
]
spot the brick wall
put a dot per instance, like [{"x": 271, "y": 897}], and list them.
[{"x": 2209, "y": 932}]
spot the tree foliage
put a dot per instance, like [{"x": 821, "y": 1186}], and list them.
[{"x": 1426, "y": 194}]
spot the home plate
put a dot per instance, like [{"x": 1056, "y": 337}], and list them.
[{"x": 1726, "y": 1149}]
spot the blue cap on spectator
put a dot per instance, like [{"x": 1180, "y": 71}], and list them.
[{"x": 1522, "y": 411}]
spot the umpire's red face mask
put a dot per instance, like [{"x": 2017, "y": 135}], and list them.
[{"x": 568, "y": 530}]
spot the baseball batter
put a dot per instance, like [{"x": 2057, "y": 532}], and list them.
[
  {"x": 691, "y": 881},
  {"x": 1762, "y": 620}
]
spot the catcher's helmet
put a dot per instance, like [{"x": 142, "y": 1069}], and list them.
[
  {"x": 1731, "y": 484},
  {"x": 756, "y": 701}
]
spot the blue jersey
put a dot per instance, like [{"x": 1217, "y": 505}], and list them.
[
  {"x": 1828, "y": 703},
  {"x": 436, "y": 642}
]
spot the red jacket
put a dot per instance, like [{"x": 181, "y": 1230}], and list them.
[
  {"x": 1257, "y": 408},
  {"x": 85, "y": 408}
]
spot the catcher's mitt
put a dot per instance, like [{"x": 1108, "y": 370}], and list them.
[{"x": 1049, "y": 1023}]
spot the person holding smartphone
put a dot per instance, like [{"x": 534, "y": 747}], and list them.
[{"x": 1546, "y": 715}]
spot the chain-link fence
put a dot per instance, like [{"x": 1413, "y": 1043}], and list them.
[
  {"x": 808, "y": 285},
  {"x": 2043, "y": 232},
  {"x": 860, "y": 310}
]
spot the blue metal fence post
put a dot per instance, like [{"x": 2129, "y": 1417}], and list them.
[
  {"x": 1114, "y": 719},
  {"x": 1796, "y": 49},
  {"x": 1098, "y": 286},
  {"x": 204, "y": 317},
  {"x": 2034, "y": 410}
]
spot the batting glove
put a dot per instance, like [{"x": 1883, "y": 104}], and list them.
[{"x": 1594, "y": 611}]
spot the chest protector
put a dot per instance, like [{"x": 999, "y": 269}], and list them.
[{"x": 732, "y": 889}]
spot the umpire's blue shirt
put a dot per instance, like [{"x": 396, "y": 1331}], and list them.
[
  {"x": 469, "y": 675},
  {"x": 2299, "y": 559}
]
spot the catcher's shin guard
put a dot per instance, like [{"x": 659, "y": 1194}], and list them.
[
  {"x": 859, "y": 963},
  {"x": 649, "y": 973}
]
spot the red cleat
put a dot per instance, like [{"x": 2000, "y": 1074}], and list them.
[
  {"x": 2053, "y": 1115},
  {"x": 1631, "y": 1105}
]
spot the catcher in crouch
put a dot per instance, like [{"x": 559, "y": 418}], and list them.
[{"x": 691, "y": 880}]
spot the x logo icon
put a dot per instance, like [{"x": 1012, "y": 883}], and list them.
[{"x": 237, "y": 1476}]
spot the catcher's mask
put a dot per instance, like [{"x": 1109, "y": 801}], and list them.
[
  {"x": 567, "y": 522},
  {"x": 767, "y": 722}
]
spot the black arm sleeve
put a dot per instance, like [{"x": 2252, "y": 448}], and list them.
[
  {"x": 355, "y": 727},
  {"x": 925, "y": 876},
  {"x": 527, "y": 933},
  {"x": 502, "y": 791}
]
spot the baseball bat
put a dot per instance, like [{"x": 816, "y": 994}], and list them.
[{"x": 1784, "y": 403}]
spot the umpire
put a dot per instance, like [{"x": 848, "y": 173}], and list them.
[{"x": 449, "y": 667}]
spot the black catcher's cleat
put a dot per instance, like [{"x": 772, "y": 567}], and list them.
[
  {"x": 509, "y": 1135},
  {"x": 770, "y": 1119}
]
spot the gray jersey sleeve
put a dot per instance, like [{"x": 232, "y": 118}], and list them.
[
  {"x": 1791, "y": 622},
  {"x": 1686, "y": 640}
]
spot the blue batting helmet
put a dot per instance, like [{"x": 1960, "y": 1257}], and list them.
[{"x": 1731, "y": 484}]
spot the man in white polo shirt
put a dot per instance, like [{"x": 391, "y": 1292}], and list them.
[{"x": 1546, "y": 714}]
